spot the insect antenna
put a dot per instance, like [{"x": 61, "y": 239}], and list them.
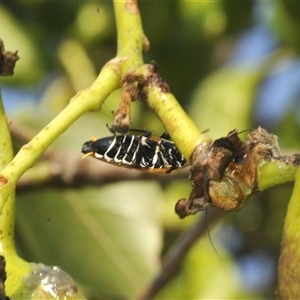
[
  {"x": 208, "y": 233},
  {"x": 246, "y": 130}
]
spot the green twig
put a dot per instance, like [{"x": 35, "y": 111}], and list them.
[
  {"x": 178, "y": 124},
  {"x": 86, "y": 100},
  {"x": 289, "y": 262},
  {"x": 16, "y": 268},
  {"x": 275, "y": 172},
  {"x": 7, "y": 216},
  {"x": 6, "y": 151},
  {"x": 131, "y": 37}
]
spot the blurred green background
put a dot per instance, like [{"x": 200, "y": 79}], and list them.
[{"x": 229, "y": 64}]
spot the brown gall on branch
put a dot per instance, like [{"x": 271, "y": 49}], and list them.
[
  {"x": 224, "y": 172},
  {"x": 134, "y": 87},
  {"x": 7, "y": 61}
]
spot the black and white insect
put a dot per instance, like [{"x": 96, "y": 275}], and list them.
[{"x": 142, "y": 152}]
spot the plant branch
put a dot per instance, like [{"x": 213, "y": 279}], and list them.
[
  {"x": 131, "y": 38},
  {"x": 276, "y": 172},
  {"x": 289, "y": 261},
  {"x": 7, "y": 216},
  {"x": 66, "y": 169},
  {"x": 86, "y": 100},
  {"x": 16, "y": 267},
  {"x": 182, "y": 129}
]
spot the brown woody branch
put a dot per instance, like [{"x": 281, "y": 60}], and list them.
[{"x": 68, "y": 169}]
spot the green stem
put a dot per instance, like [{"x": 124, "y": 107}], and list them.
[
  {"x": 16, "y": 268},
  {"x": 182, "y": 129},
  {"x": 289, "y": 261},
  {"x": 89, "y": 99},
  {"x": 275, "y": 172},
  {"x": 6, "y": 151},
  {"x": 130, "y": 34},
  {"x": 7, "y": 216}
]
